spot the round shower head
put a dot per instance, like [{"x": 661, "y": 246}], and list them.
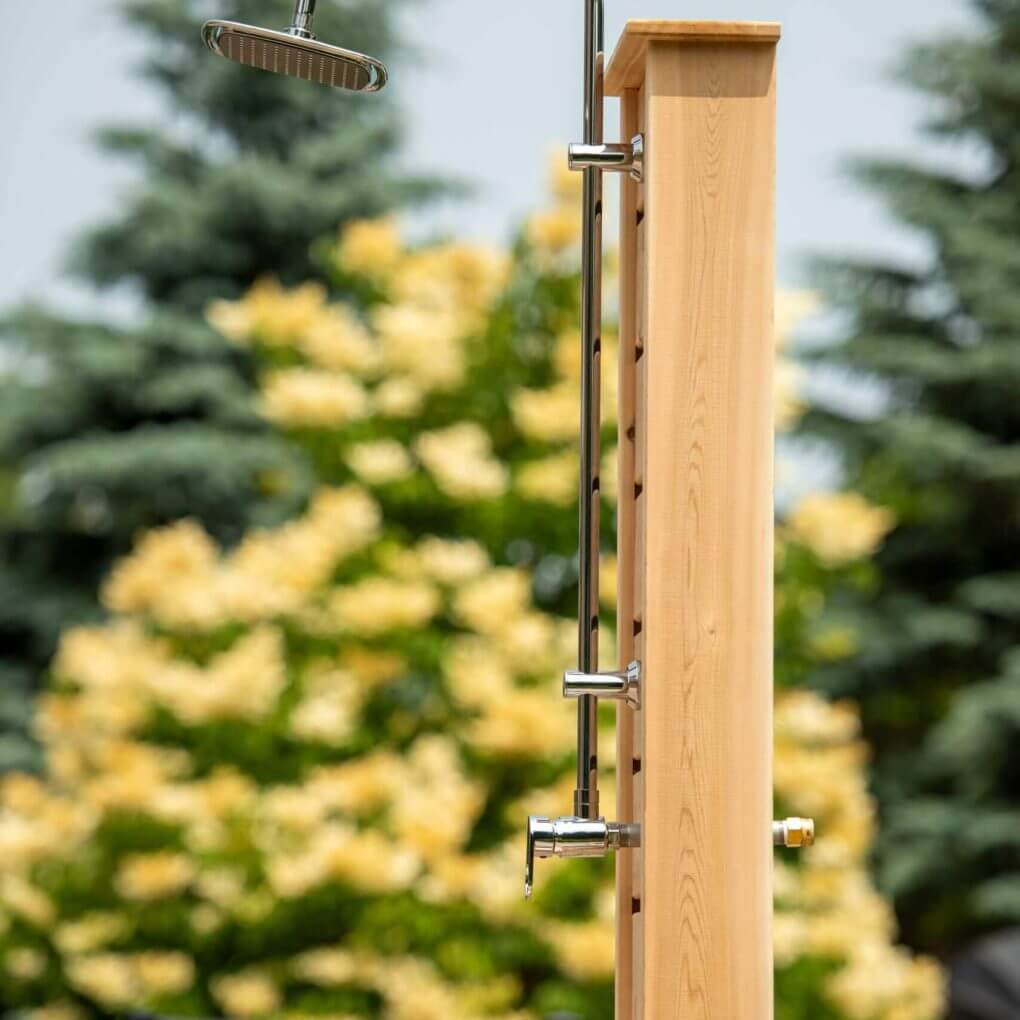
[{"x": 296, "y": 54}]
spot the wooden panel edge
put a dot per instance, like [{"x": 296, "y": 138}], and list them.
[{"x": 625, "y": 69}]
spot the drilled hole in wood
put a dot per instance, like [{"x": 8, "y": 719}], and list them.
[
  {"x": 597, "y": 346},
  {"x": 635, "y": 905},
  {"x": 632, "y": 433},
  {"x": 635, "y": 766},
  {"x": 640, "y": 216},
  {"x": 637, "y": 627},
  {"x": 639, "y": 348},
  {"x": 638, "y": 489},
  {"x": 594, "y": 623}
]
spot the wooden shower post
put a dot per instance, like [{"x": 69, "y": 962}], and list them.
[{"x": 695, "y": 520}]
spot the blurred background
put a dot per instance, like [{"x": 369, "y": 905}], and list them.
[{"x": 288, "y": 404}]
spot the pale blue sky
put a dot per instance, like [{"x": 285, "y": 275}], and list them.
[{"x": 496, "y": 93}]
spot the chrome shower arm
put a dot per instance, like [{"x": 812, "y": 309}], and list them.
[{"x": 304, "y": 15}]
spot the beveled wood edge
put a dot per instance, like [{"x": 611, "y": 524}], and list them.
[{"x": 625, "y": 70}]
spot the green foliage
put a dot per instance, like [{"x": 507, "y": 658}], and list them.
[
  {"x": 936, "y": 673},
  {"x": 108, "y": 431}
]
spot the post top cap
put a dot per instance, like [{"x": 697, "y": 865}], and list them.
[{"x": 625, "y": 68}]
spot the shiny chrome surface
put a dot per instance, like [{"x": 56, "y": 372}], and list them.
[
  {"x": 295, "y": 55},
  {"x": 622, "y": 685},
  {"x": 619, "y": 157},
  {"x": 586, "y": 795},
  {"x": 304, "y": 15},
  {"x": 573, "y": 837}
]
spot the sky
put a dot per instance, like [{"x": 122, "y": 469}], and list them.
[{"x": 495, "y": 95}]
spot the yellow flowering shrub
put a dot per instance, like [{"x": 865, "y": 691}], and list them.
[{"x": 288, "y": 778}]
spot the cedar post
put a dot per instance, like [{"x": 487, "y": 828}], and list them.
[{"x": 696, "y": 520}]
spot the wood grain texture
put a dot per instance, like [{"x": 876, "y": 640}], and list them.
[
  {"x": 707, "y": 533},
  {"x": 626, "y": 69}
]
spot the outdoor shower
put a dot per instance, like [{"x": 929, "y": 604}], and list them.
[{"x": 695, "y": 518}]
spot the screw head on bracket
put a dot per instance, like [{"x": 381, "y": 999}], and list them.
[{"x": 794, "y": 833}]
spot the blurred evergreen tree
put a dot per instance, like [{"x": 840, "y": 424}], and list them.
[
  {"x": 107, "y": 431},
  {"x": 937, "y": 672}
]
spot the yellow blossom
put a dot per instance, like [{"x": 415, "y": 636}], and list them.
[
  {"x": 337, "y": 852},
  {"x": 460, "y": 460},
  {"x": 550, "y": 415},
  {"x": 807, "y": 719},
  {"x": 586, "y": 950},
  {"x": 435, "y": 809},
  {"x": 608, "y": 580},
  {"x": 337, "y": 340},
  {"x": 549, "y": 480},
  {"x": 27, "y": 901},
  {"x": 452, "y": 562},
  {"x": 413, "y": 990},
  {"x": 153, "y": 876},
  {"x": 24, "y": 964},
  {"x": 205, "y": 919},
  {"x": 242, "y": 683},
  {"x": 839, "y": 526},
  {"x": 268, "y": 314},
  {"x": 108, "y": 978},
  {"x": 526, "y": 723},
  {"x": 360, "y": 786},
  {"x": 89, "y": 933},
  {"x": 326, "y": 966},
  {"x": 398, "y": 397},
  {"x": 378, "y": 604},
  {"x": 554, "y": 231},
  {"x": 328, "y": 710},
  {"x": 380, "y": 462},
  {"x": 246, "y": 993},
  {"x": 370, "y": 248},
  {"x": 312, "y": 398},
  {"x": 163, "y": 973},
  {"x": 475, "y": 673},
  {"x": 460, "y": 280},
  {"x": 424, "y": 343},
  {"x": 491, "y": 602},
  {"x": 565, "y": 184},
  {"x": 884, "y": 980},
  {"x": 788, "y": 405},
  {"x": 792, "y": 308},
  {"x": 56, "y": 1011},
  {"x": 182, "y": 555}
]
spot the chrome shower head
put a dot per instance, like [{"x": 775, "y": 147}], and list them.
[{"x": 295, "y": 52}]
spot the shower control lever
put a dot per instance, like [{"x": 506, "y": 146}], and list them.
[
  {"x": 623, "y": 685},
  {"x": 622, "y": 158},
  {"x": 574, "y": 837}
]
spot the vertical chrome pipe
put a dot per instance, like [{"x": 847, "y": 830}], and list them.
[
  {"x": 586, "y": 796},
  {"x": 304, "y": 15}
]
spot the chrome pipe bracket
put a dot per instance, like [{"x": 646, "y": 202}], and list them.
[
  {"x": 623, "y": 685},
  {"x": 574, "y": 837},
  {"x": 619, "y": 158}
]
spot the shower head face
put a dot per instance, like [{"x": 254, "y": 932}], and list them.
[{"x": 294, "y": 55}]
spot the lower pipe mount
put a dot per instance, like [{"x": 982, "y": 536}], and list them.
[{"x": 574, "y": 837}]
